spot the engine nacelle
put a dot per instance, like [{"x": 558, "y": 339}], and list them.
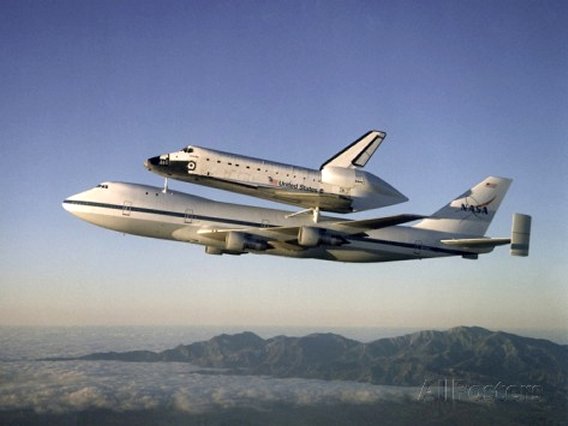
[
  {"x": 313, "y": 237},
  {"x": 219, "y": 251},
  {"x": 340, "y": 176},
  {"x": 239, "y": 242},
  {"x": 213, "y": 250}
]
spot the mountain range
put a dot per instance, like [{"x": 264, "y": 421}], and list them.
[{"x": 471, "y": 354}]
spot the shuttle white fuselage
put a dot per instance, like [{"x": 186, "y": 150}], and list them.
[{"x": 339, "y": 186}]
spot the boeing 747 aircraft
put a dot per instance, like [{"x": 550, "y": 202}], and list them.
[
  {"x": 340, "y": 185},
  {"x": 457, "y": 229}
]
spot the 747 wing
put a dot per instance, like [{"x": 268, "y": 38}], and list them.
[{"x": 331, "y": 233}]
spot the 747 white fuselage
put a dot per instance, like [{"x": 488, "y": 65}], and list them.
[{"x": 223, "y": 228}]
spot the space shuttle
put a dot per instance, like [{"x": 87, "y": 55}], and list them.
[{"x": 340, "y": 185}]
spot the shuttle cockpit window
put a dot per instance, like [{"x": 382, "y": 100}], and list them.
[
  {"x": 188, "y": 149},
  {"x": 102, "y": 185}
]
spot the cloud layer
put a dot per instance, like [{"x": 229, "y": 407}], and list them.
[{"x": 60, "y": 387}]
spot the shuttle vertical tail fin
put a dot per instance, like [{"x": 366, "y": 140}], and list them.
[
  {"x": 472, "y": 212},
  {"x": 358, "y": 153}
]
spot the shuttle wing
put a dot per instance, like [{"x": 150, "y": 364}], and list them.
[{"x": 325, "y": 201}]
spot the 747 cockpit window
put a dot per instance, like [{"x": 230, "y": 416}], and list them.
[
  {"x": 103, "y": 186},
  {"x": 188, "y": 149}
]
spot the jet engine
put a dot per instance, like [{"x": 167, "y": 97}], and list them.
[
  {"x": 239, "y": 242},
  {"x": 213, "y": 250},
  {"x": 219, "y": 251},
  {"x": 311, "y": 237},
  {"x": 340, "y": 176}
]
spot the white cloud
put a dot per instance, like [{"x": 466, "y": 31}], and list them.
[{"x": 69, "y": 386}]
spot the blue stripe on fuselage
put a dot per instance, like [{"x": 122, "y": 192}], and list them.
[
  {"x": 166, "y": 213},
  {"x": 260, "y": 225}
]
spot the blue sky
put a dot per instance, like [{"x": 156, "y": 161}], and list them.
[{"x": 90, "y": 89}]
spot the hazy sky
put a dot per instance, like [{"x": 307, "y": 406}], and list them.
[{"x": 464, "y": 89}]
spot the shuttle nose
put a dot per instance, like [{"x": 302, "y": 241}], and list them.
[{"x": 152, "y": 162}]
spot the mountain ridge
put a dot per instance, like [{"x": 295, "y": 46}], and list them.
[{"x": 473, "y": 354}]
